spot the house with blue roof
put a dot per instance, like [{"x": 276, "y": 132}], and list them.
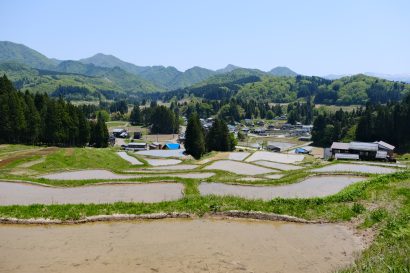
[{"x": 171, "y": 146}]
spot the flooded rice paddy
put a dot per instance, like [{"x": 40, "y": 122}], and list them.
[
  {"x": 175, "y": 167},
  {"x": 355, "y": 168},
  {"x": 172, "y": 245},
  {"x": 26, "y": 194},
  {"x": 319, "y": 186},
  {"x": 86, "y": 175},
  {"x": 280, "y": 166},
  {"x": 162, "y": 162},
  {"x": 106, "y": 175},
  {"x": 238, "y": 167},
  {"x": 275, "y": 157},
  {"x": 132, "y": 160},
  {"x": 163, "y": 153},
  {"x": 238, "y": 155}
]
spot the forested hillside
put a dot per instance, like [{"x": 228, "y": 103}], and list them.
[
  {"x": 37, "y": 80},
  {"x": 109, "y": 77},
  {"x": 358, "y": 89},
  {"x": 390, "y": 123},
  {"x": 39, "y": 119}
]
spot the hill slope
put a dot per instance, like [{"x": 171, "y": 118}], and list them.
[
  {"x": 282, "y": 71},
  {"x": 167, "y": 78},
  {"x": 37, "y": 80},
  {"x": 12, "y": 52}
]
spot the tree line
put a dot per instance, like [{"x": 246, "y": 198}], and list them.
[
  {"x": 390, "y": 123},
  {"x": 198, "y": 141},
  {"x": 38, "y": 119},
  {"x": 161, "y": 118}
]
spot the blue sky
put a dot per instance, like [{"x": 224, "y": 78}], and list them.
[{"x": 311, "y": 37}]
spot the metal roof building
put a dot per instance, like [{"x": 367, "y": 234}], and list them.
[
  {"x": 339, "y": 146},
  {"x": 364, "y": 146},
  {"x": 384, "y": 145}
]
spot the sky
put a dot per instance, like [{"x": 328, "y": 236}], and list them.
[{"x": 315, "y": 37}]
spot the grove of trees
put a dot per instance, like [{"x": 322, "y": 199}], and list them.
[
  {"x": 38, "y": 119},
  {"x": 197, "y": 141},
  {"x": 390, "y": 123}
]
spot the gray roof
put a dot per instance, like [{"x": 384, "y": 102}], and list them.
[
  {"x": 385, "y": 145},
  {"x": 347, "y": 156},
  {"x": 340, "y": 146},
  {"x": 364, "y": 146},
  {"x": 281, "y": 145}
]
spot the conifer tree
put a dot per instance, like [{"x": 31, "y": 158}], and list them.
[
  {"x": 194, "y": 137},
  {"x": 135, "y": 116}
]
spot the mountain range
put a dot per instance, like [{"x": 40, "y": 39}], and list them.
[
  {"x": 32, "y": 70},
  {"x": 109, "y": 71}
]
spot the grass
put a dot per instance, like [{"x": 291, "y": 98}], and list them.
[
  {"x": 116, "y": 123},
  {"x": 7, "y": 149},
  {"x": 82, "y": 158}
]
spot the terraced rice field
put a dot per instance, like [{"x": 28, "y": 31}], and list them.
[
  {"x": 27, "y": 194},
  {"x": 107, "y": 175},
  {"x": 275, "y": 157},
  {"x": 132, "y": 160},
  {"x": 279, "y": 166},
  {"x": 238, "y": 167},
  {"x": 355, "y": 168},
  {"x": 163, "y": 246},
  {"x": 319, "y": 186}
]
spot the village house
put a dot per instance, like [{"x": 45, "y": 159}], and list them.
[
  {"x": 136, "y": 146},
  {"x": 378, "y": 150}
]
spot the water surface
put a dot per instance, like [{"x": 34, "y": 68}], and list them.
[
  {"x": 26, "y": 194},
  {"x": 318, "y": 186},
  {"x": 175, "y": 246}
]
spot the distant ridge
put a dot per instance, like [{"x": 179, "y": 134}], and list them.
[
  {"x": 12, "y": 52},
  {"x": 282, "y": 71}
]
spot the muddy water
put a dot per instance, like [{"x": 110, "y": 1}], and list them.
[
  {"x": 104, "y": 174},
  {"x": 355, "y": 168},
  {"x": 280, "y": 166},
  {"x": 86, "y": 174},
  {"x": 238, "y": 167},
  {"x": 25, "y": 194},
  {"x": 319, "y": 186},
  {"x": 173, "y": 246}
]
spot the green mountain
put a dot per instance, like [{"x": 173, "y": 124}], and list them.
[
  {"x": 359, "y": 89},
  {"x": 111, "y": 61},
  {"x": 231, "y": 76},
  {"x": 126, "y": 81},
  {"x": 190, "y": 77},
  {"x": 12, "y": 52},
  {"x": 228, "y": 68},
  {"x": 167, "y": 78},
  {"x": 282, "y": 71},
  {"x": 37, "y": 80}
]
